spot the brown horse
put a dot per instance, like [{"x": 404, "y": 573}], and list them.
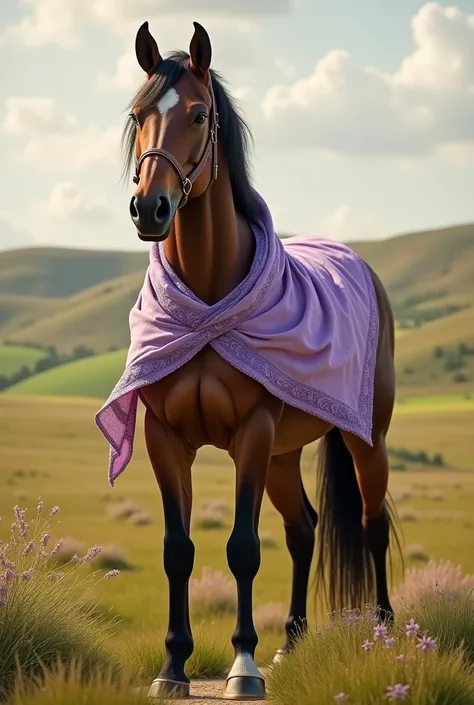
[{"x": 194, "y": 193}]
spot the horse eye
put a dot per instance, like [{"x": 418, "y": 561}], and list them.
[
  {"x": 200, "y": 119},
  {"x": 134, "y": 118}
]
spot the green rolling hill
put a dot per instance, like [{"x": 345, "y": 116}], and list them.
[
  {"x": 14, "y": 357},
  {"x": 92, "y": 377},
  {"x": 70, "y": 298}
]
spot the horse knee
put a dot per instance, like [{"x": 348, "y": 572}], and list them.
[
  {"x": 178, "y": 555},
  {"x": 243, "y": 553}
]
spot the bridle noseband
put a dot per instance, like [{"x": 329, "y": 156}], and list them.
[{"x": 187, "y": 180}]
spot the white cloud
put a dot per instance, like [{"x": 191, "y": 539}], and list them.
[
  {"x": 12, "y": 236},
  {"x": 36, "y": 115},
  {"x": 49, "y": 22},
  {"x": 69, "y": 202},
  {"x": 429, "y": 100},
  {"x": 61, "y": 22},
  {"x": 127, "y": 75},
  {"x": 54, "y": 139},
  {"x": 346, "y": 223}
]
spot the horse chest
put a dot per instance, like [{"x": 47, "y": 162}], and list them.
[{"x": 205, "y": 401}]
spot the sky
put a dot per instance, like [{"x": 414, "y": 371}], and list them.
[{"x": 362, "y": 112}]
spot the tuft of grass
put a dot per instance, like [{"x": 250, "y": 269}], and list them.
[
  {"x": 402, "y": 494},
  {"x": 267, "y": 540},
  {"x": 43, "y": 612},
  {"x": 212, "y": 514},
  {"x": 141, "y": 518},
  {"x": 449, "y": 617},
  {"x": 436, "y": 496},
  {"x": 112, "y": 557},
  {"x": 428, "y": 581},
  {"x": 70, "y": 685},
  {"x": 213, "y": 593},
  {"x": 417, "y": 552},
  {"x": 330, "y": 665},
  {"x": 123, "y": 510},
  {"x": 270, "y": 618},
  {"x": 408, "y": 514},
  {"x": 211, "y": 658}
]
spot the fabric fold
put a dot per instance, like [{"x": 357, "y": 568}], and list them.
[{"x": 303, "y": 323}]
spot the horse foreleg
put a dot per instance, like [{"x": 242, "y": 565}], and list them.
[
  {"x": 172, "y": 463},
  {"x": 251, "y": 450},
  {"x": 287, "y": 494}
]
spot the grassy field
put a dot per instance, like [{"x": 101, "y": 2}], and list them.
[
  {"x": 14, "y": 357},
  {"x": 65, "y": 461}
]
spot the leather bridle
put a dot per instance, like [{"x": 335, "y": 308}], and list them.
[{"x": 187, "y": 180}]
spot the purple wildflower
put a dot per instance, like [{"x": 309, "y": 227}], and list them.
[
  {"x": 3, "y": 595},
  {"x": 426, "y": 643},
  {"x": 45, "y": 539},
  {"x": 380, "y": 632},
  {"x": 367, "y": 645},
  {"x": 57, "y": 547},
  {"x": 40, "y": 506},
  {"x": 390, "y": 642},
  {"x": 341, "y": 698},
  {"x": 91, "y": 554},
  {"x": 76, "y": 559},
  {"x": 9, "y": 575},
  {"x": 55, "y": 577},
  {"x": 26, "y": 575},
  {"x": 398, "y": 691},
  {"x": 400, "y": 658},
  {"x": 111, "y": 574},
  {"x": 29, "y": 548},
  {"x": 412, "y": 628},
  {"x": 55, "y": 510}
]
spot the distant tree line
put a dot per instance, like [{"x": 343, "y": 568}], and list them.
[
  {"x": 421, "y": 457},
  {"x": 454, "y": 359},
  {"x": 51, "y": 359}
]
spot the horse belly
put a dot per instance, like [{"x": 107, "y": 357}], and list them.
[{"x": 297, "y": 429}]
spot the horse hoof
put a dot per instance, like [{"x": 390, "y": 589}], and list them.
[
  {"x": 164, "y": 688},
  {"x": 245, "y": 688},
  {"x": 280, "y": 655}
]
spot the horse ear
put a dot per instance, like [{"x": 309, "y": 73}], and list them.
[
  {"x": 147, "y": 51},
  {"x": 200, "y": 51}
]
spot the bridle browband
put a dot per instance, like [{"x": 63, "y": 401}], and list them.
[{"x": 187, "y": 180}]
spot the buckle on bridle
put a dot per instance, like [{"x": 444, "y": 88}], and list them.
[{"x": 187, "y": 186}]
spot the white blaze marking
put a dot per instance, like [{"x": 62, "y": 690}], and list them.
[{"x": 168, "y": 101}]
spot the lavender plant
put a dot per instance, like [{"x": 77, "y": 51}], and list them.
[{"x": 42, "y": 614}]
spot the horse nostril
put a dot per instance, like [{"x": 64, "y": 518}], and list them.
[
  {"x": 163, "y": 210},
  {"x": 133, "y": 207}
]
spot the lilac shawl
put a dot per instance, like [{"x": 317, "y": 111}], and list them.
[{"x": 303, "y": 323}]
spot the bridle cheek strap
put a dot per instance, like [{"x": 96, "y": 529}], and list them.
[{"x": 187, "y": 180}]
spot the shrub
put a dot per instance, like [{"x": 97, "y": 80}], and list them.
[
  {"x": 213, "y": 593},
  {"x": 426, "y": 582},
  {"x": 354, "y": 660},
  {"x": 417, "y": 552},
  {"x": 141, "y": 519},
  {"x": 408, "y": 514},
  {"x": 270, "y": 618},
  {"x": 123, "y": 510},
  {"x": 267, "y": 540},
  {"x": 212, "y": 514},
  {"x": 42, "y": 614},
  {"x": 112, "y": 558}
]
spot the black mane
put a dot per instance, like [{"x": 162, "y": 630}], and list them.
[{"x": 234, "y": 134}]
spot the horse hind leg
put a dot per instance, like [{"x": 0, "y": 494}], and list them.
[
  {"x": 372, "y": 469},
  {"x": 286, "y": 492}
]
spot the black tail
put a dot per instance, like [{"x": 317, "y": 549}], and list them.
[{"x": 344, "y": 558}]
